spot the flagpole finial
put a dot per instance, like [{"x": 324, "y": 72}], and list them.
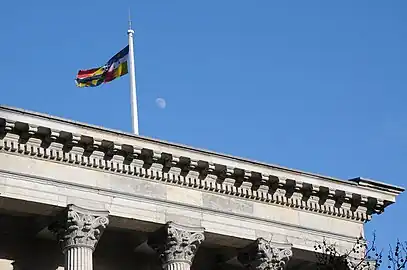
[
  {"x": 130, "y": 20},
  {"x": 130, "y": 31}
]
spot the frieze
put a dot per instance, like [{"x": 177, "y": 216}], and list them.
[{"x": 84, "y": 150}]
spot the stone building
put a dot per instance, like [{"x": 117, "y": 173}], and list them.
[{"x": 84, "y": 197}]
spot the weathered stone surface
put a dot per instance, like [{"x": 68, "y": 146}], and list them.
[
  {"x": 78, "y": 258},
  {"x": 227, "y": 204},
  {"x": 43, "y": 186},
  {"x": 79, "y": 227},
  {"x": 265, "y": 255},
  {"x": 176, "y": 244},
  {"x": 184, "y": 195},
  {"x": 45, "y": 161},
  {"x": 36, "y": 135}
]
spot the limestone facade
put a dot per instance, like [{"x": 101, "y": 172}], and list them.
[{"x": 152, "y": 204}]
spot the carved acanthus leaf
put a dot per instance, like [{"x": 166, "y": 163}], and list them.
[
  {"x": 79, "y": 227},
  {"x": 175, "y": 243},
  {"x": 265, "y": 255}
]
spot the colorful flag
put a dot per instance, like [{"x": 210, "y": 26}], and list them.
[{"x": 114, "y": 68}]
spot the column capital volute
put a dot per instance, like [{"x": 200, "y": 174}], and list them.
[
  {"x": 265, "y": 255},
  {"x": 79, "y": 227},
  {"x": 176, "y": 243}
]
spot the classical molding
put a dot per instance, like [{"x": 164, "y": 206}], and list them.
[
  {"x": 79, "y": 227},
  {"x": 71, "y": 143},
  {"x": 265, "y": 255},
  {"x": 176, "y": 244}
]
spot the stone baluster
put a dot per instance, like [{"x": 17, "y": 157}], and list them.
[
  {"x": 176, "y": 245},
  {"x": 78, "y": 230},
  {"x": 265, "y": 255}
]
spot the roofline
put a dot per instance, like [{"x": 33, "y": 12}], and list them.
[
  {"x": 376, "y": 184},
  {"x": 353, "y": 182}
]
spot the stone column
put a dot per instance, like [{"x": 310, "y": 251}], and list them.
[
  {"x": 265, "y": 255},
  {"x": 78, "y": 231},
  {"x": 176, "y": 245}
]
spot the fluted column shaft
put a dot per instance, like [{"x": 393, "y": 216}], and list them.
[
  {"x": 177, "y": 266},
  {"x": 78, "y": 230},
  {"x": 176, "y": 245},
  {"x": 78, "y": 258}
]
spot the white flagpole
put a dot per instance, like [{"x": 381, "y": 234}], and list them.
[{"x": 132, "y": 74}]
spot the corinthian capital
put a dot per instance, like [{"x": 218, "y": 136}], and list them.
[
  {"x": 175, "y": 243},
  {"x": 265, "y": 255},
  {"x": 79, "y": 227}
]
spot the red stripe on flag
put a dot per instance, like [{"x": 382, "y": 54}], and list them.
[
  {"x": 109, "y": 76},
  {"x": 86, "y": 73}
]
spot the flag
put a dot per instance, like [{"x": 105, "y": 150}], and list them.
[
  {"x": 114, "y": 68},
  {"x": 90, "y": 77}
]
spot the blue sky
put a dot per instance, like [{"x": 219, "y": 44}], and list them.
[{"x": 313, "y": 85}]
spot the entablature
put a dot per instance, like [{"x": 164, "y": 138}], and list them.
[{"x": 60, "y": 140}]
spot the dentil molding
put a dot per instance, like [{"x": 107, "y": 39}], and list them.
[{"x": 37, "y": 136}]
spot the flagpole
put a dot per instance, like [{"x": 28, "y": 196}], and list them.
[{"x": 132, "y": 75}]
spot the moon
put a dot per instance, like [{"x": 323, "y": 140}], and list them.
[{"x": 161, "y": 103}]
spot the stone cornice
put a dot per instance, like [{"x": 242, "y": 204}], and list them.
[{"x": 60, "y": 140}]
